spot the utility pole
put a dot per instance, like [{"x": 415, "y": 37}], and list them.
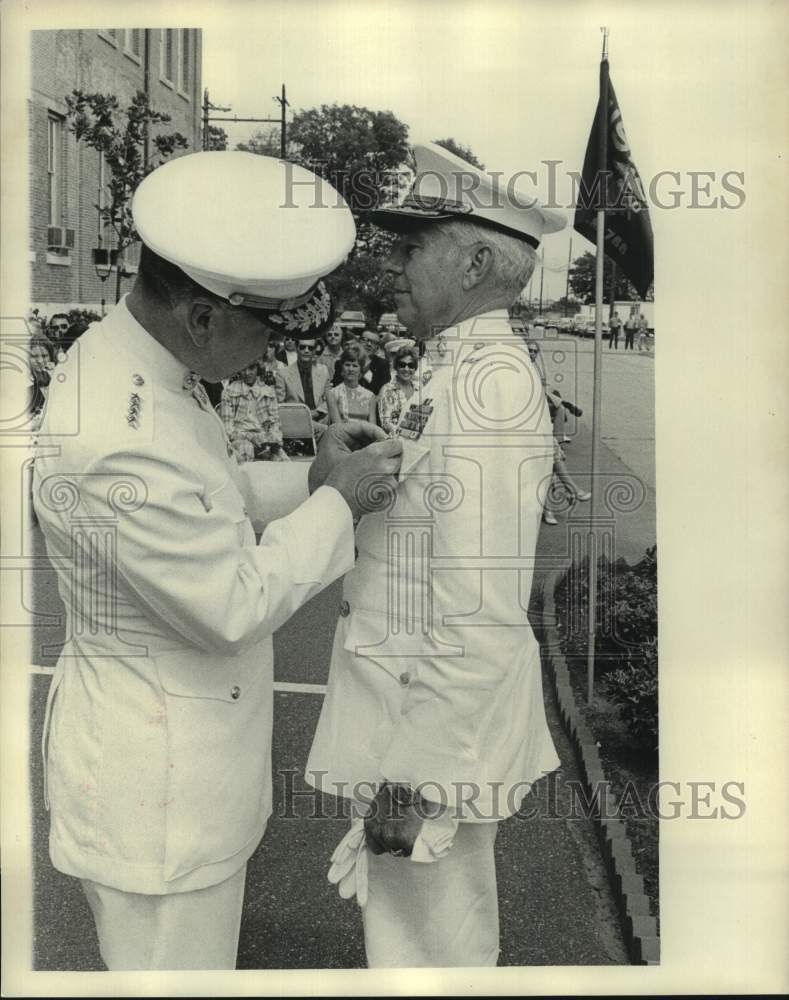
[
  {"x": 283, "y": 102},
  {"x": 567, "y": 285},
  {"x": 281, "y": 121},
  {"x": 542, "y": 273},
  {"x": 612, "y": 292},
  {"x": 207, "y": 107}
]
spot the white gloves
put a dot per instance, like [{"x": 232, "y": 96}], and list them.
[{"x": 350, "y": 858}]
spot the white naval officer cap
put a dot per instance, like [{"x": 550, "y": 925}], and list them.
[
  {"x": 254, "y": 230},
  {"x": 448, "y": 187}
]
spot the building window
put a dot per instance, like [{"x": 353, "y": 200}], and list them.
[
  {"x": 183, "y": 62},
  {"x": 168, "y": 55},
  {"x": 103, "y": 200},
  {"x": 131, "y": 258},
  {"x": 132, "y": 43},
  {"x": 54, "y": 168}
]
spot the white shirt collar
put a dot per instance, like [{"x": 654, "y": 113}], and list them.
[{"x": 475, "y": 327}]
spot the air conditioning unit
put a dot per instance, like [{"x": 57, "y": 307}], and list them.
[{"x": 60, "y": 238}]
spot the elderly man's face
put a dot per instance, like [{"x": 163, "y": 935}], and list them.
[{"x": 425, "y": 269}]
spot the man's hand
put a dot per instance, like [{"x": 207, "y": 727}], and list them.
[
  {"x": 366, "y": 478},
  {"x": 338, "y": 441},
  {"x": 396, "y": 818},
  {"x": 360, "y": 461}
]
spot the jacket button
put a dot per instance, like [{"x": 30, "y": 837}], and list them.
[
  {"x": 235, "y": 692},
  {"x": 405, "y": 679},
  {"x": 345, "y": 609}
]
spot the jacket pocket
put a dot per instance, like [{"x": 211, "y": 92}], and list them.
[
  {"x": 367, "y": 637},
  {"x": 218, "y": 716}
]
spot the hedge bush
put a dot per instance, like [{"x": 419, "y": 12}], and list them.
[{"x": 626, "y": 645}]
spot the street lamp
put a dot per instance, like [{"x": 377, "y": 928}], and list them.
[{"x": 103, "y": 261}]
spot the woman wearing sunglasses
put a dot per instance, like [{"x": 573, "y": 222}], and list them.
[{"x": 394, "y": 396}]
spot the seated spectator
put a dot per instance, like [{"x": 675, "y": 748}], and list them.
[
  {"x": 394, "y": 396},
  {"x": 333, "y": 350},
  {"x": 374, "y": 370},
  {"x": 371, "y": 341},
  {"x": 349, "y": 400},
  {"x": 74, "y": 332},
  {"x": 270, "y": 363},
  {"x": 288, "y": 354},
  {"x": 317, "y": 354},
  {"x": 305, "y": 382},
  {"x": 41, "y": 353},
  {"x": 58, "y": 332},
  {"x": 250, "y": 414}
]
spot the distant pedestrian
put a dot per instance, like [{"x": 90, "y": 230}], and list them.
[
  {"x": 643, "y": 334},
  {"x": 631, "y": 325},
  {"x": 614, "y": 325}
]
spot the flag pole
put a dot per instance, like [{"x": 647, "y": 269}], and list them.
[{"x": 597, "y": 397}]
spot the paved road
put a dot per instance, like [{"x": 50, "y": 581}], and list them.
[{"x": 628, "y": 398}]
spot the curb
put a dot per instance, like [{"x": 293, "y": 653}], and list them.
[{"x": 638, "y": 926}]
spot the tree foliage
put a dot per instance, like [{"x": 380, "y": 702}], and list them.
[
  {"x": 120, "y": 134},
  {"x": 364, "y": 155},
  {"x": 357, "y": 150},
  {"x": 464, "y": 152},
  {"x": 217, "y": 138},
  {"x": 264, "y": 142},
  {"x": 582, "y": 280}
]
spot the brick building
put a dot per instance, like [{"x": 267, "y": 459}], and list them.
[{"x": 67, "y": 178}]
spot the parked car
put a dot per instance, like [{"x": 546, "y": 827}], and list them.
[
  {"x": 391, "y": 324},
  {"x": 351, "y": 320},
  {"x": 586, "y": 328},
  {"x": 518, "y": 327}
]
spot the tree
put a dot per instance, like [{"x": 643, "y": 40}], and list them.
[
  {"x": 460, "y": 150},
  {"x": 264, "y": 142},
  {"x": 217, "y": 138},
  {"x": 582, "y": 280},
  {"x": 364, "y": 155},
  {"x": 357, "y": 150},
  {"x": 121, "y": 136}
]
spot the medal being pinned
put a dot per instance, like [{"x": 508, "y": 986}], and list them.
[{"x": 413, "y": 424}]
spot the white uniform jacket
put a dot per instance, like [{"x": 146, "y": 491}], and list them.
[
  {"x": 435, "y": 677},
  {"x": 157, "y": 742}
]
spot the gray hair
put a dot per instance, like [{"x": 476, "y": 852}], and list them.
[{"x": 513, "y": 259}]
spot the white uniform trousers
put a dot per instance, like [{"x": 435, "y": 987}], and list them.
[
  {"x": 431, "y": 915},
  {"x": 182, "y": 930}
]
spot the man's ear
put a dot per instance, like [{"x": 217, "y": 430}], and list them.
[
  {"x": 202, "y": 317},
  {"x": 479, "y": 261}
]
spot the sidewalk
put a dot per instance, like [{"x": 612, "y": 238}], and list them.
[{"x": 627, "y": 508}]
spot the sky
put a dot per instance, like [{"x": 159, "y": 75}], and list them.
[{"x": 515, "y": 82}]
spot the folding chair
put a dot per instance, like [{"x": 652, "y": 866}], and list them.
[{"x": 296, "y": 422}]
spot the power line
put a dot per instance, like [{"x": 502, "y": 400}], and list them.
[{"x": 282, "y": 100}]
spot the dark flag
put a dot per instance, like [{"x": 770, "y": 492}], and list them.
[{"x": 618, "y": 189}]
